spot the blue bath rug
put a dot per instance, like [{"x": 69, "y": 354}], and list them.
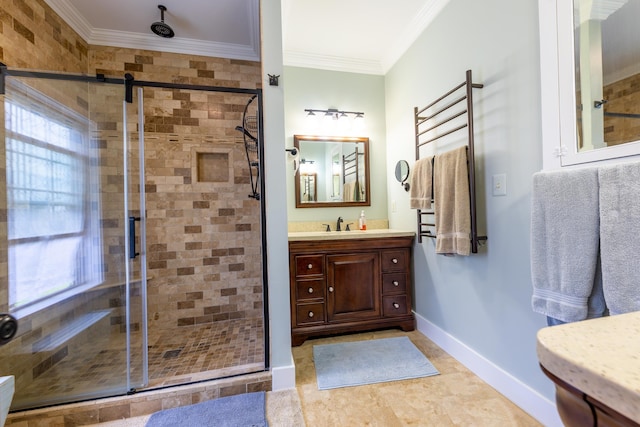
[
  {"x": 367, "y": 362},
  {"x": 241, "y": 410}
]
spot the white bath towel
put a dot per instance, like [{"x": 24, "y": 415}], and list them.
[
  {"x": 420, "y": 184},
  {"x": 619, "y": 241},
  {"x": 564, "y": 243},
  {"x": 452, "y": 204}
]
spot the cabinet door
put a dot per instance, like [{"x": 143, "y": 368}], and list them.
[{"x": 353, "y": 287}]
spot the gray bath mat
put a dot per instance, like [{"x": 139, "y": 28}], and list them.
[
  {"x": 241, "y": 410},
  {"x": 368, "y": 362}
]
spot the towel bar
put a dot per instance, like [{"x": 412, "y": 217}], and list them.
[{"x": 423, "y": 125}]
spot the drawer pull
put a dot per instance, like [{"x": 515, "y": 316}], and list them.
[
  {"x": 310, "y": 266},
  {"x": 330, "y": 288},
  {"x": 310, "y": 290},
  {"x": 394, "y": 260},
  {"x": 311, "y": 314},
  {"x": 396, "y": 305},
  {"x": 395, "y": 283}
]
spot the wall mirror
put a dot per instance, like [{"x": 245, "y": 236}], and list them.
[
  {"x": 334, "y": 171},
  {"x": 607, "y": 64},
  {"x": 595, "y": 56}
]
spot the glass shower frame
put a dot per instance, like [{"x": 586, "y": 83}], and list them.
[{"x": 134, "y": 317}]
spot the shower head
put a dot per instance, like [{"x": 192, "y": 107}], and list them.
[{"x": 160, "y": 28}]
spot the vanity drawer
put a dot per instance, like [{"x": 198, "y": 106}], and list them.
[
  {"x": 309, "y": 289},
  {"x": 309, "y": 265},
  {"x": 395, "y": 305},
  {"x": 309, "y": 313},
  {"x": 395, "y": 260},
  {"x": 394, "y": 283}
]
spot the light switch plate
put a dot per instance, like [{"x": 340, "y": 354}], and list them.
[{"x": 500, "y": 184}]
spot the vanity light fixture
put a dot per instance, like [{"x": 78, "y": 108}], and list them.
[{"x": 334, "y": 113}]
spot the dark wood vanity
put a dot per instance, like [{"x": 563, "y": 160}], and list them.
[{"x": 352, "y": 283}]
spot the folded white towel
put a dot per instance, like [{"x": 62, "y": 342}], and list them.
[
  {"x": 420, "y": 184},
  {"x": 564, "y": 243},
  {"x": 619, "y": 243},
  {"x": 452, "y": 204}
]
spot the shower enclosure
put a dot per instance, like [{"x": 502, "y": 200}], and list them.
[{"x": 131, "y": 254}]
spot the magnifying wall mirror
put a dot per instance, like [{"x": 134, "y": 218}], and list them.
[
  {"x": 334, "y": 171},
  {"x": 402, "y": 173}
]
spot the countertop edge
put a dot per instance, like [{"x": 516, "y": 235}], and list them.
[
  {"x": 580, "y": 368},
  {"x": 348, "y": 235}
]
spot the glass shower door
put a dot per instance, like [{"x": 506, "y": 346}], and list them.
[{"x": 66, "y": 275}]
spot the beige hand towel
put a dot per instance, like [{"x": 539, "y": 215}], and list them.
[
  {"x": 451, "y": 198},
  {"x": 420, "y": 184},
  {"x": 347, "y": 192}
]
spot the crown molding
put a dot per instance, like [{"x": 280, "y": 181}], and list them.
[
  {"x": 416, "y": 27},
  {"x": 130, "y": 40},
  {"x": 104, "y": 37},
  {"x": 333, "y": 63},
  {"x": 71, "y": 16}
]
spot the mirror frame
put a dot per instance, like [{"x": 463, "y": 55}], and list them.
[
  {"x": 557, "y": 78},
  {"x": 316, "y": 138}
]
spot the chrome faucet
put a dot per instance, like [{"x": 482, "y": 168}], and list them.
[{"x": 338, "y": 224}]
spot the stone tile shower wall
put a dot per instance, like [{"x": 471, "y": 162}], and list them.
[{"x": 203, "y": 232}]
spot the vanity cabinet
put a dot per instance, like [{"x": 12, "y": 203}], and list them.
[{"x": 349, "y": 285}]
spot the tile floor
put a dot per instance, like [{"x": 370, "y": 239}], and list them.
[
  {"x": 456, "y": 397},
  {"x": 191, "y": 353},
  {"x": 179, "y": 355}
]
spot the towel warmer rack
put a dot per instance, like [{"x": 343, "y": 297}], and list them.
[
  {"x": 351, "y": 166},
  {"x": 425, "y": 124}
]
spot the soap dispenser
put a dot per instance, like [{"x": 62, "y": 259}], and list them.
[{"x": 362, "y": 221}]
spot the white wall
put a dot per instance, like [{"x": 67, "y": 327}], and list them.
[
  {"x": 320, "y": 89},
  {"x": 483, "y": 300},
  {"x": 276, "y": 218}
]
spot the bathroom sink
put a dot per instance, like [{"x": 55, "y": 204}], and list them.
[{"x": 354, "y": 234}]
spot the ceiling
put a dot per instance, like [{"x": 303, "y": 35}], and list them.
[{"x": 364, "y": 36}]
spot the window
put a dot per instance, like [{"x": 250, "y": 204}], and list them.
[{"x": 52, "y": 213}]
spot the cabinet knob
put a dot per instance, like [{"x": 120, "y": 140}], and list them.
[
  {"x": 396, "y": 305},
  {"x": 330, "y": 288},
  {"x": 311, "y": 314},
  {"x": 310, "y": 290},
  {"x": 395, "y": 283},
  {"x": 310, "y": 266},
  {"x": 394, "y": 260}
]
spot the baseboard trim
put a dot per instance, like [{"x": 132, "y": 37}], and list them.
[
  {"x": 528, "y": 399},
  {"x": 283, "y": 377}
]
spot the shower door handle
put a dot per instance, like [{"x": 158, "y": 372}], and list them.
[
  {"x": 132, "y": 237},
  {"x": 8, "y": 328}
]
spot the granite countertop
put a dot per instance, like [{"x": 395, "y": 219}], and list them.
[
  {"x": 600, "y": 357},
  {"x": 353, "y": 234}
]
